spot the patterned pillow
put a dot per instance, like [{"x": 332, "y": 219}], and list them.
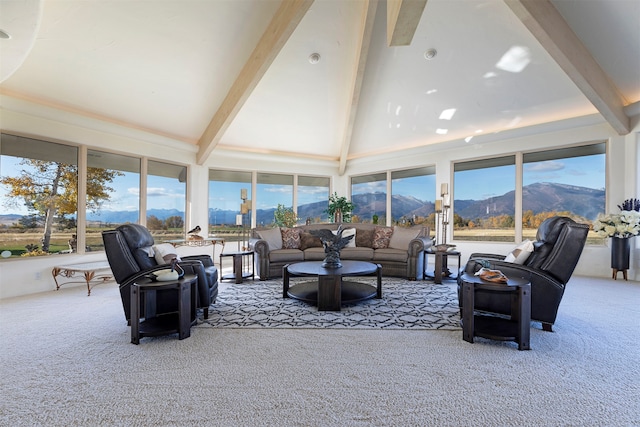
[
  {"x": 364, "y": 238},
  {"x": 307, "y": 240},
  {"x": 381, "y": 237},
  {"x": 290, "y": 238}
]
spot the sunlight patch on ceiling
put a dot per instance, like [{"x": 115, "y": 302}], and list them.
[{"x": 515, "y": 59}]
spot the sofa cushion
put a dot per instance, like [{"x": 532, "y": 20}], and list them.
[
  {"x": 402, "y": 236},
  {"x": 314, "y": 254},
  {"x": 273, "y": 237},
  {"x": 364, "y": 238},
  {"x": 290, "y": 238},
  {"x": 389, "y": 254},
  {"x": 355, "y": 253},
  {"x": 308, "y": 240},
  {"x": 286, "y": 255},
  {"x": 346, "y": 233},
  {"x": 381, "y": 237}
]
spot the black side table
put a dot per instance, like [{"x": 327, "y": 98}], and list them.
[
  {"x": 515, "y": 328},
  {"x": 179, "y": 322},
  {"x": 440, "y": 264},
  {"x": 241, "y": 270}
]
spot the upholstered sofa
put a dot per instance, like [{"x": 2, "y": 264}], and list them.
[{"x": 399, "y": 250}]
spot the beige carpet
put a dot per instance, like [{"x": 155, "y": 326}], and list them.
[{"x": 66, "y": 360}]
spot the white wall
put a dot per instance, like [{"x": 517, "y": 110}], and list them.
[{"x": 25, "y": 276}]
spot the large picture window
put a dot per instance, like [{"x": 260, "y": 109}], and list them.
[
  {"x": 413, "y": 196},
  {"x": 369, "y": 195},
  {"x": 484, "y": 199},
  {"x": 39, "y": 193},
  {"x": 313, "y": 196},
  {"x": 226, "y": 189},
  {"x": 166, "y": 199},
  {"x": 272, "y": 190},
  {"x": 120, "y": 199},
  {"x": 568, "y": 181}
]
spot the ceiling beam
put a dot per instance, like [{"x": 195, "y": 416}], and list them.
[
  {"x": 366, "y": 26},
  {"x": 403, "y": 17},
  {"x": 284, "y": 22},
  {"x": 554, "y": 34}
]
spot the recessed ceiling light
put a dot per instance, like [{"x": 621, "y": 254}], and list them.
[
  {"x": 314, "y": 58},
  {"x": 440, "y": 131},
  {"x": 4, "y": 35},
  {"x": 430, "y": 54}
]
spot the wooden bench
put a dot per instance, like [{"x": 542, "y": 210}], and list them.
[{"x": 87, "y": 269}]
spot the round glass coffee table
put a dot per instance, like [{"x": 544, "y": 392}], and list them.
[{"x": 330, "y": 291}]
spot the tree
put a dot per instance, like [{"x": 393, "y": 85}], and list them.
[
  {"x": 174, "y": 221},
  {"x": 51, "y": 189},
  {"x": 284, "y": 217},
  {"x": 154, "y": 223}
]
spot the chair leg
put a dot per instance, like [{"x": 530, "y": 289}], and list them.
[
  {"x": 205, "y": 312},
  {"x": 547, "y": 327}
]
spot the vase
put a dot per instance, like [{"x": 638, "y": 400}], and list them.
[
  {"x": 337, "y": 216},
  {"x": 620, "y": 251}
]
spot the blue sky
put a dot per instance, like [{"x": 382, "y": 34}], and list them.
[{"x": 164, "y": 193}]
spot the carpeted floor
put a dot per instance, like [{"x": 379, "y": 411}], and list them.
[
  {"x": 404, "y": 305},
  {"x": 66, "y": 360}
]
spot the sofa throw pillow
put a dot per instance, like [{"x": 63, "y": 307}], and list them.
[
  {"x": 402, "y": 236},
  {"x": 346, "y": 233},
  {"x": 364, "y": 238},
  {"x": 164, "y": 253},
  {"x": 273, "y": 237},
  {"x": 307, "y": 240},
  {"x": 381, "y": 237},
  {"x": 290, "y": 238},
  {"x": 520, "y": 253}
]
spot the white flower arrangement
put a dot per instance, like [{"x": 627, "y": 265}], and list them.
[{"x": 624, "y": 224}]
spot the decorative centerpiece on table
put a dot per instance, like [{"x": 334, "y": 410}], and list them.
[
  {"x": 620, "y": 228},
  {"x": 333, "y": 244}
]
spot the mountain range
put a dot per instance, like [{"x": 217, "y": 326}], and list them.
[{"x": 538, "y": 197}]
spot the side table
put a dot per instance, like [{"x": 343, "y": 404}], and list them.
[
  {"x": 241, "y": 270},
  {"x": 440, "y": 264},
  {"x": 143, "y": 291},
  {"x": 516, "y": 328}
]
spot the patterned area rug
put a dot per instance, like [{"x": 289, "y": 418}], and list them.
[{"x": 414, "y": 305}]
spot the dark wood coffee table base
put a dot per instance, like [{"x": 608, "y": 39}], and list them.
[{"x": 330, "y": 291}]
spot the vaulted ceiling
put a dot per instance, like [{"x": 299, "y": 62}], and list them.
[{"x": 389, "y": 75}]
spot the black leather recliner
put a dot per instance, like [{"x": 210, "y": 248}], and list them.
[
  {"x": 557, "y": 249},
  {"x": 127, "y": 252}
]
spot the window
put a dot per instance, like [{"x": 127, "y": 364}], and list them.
[
  {"x": 39, "y": 191},
  {"x": 166, "y": 199},
  {"x": 412, "y": 196},
  {"x": 369, "y": 195},
  {"x": 567, "y": 181},
  {"x": 313, "y": 196},
  {"x": 272, "y": 190},
  {"x": 120, "y": 193},
  {"x": 484, "y": 199},
  {"x": 226, "y": 189}
]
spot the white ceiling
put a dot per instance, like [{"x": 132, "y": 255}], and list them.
[{"x": 166, "y": 66}]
